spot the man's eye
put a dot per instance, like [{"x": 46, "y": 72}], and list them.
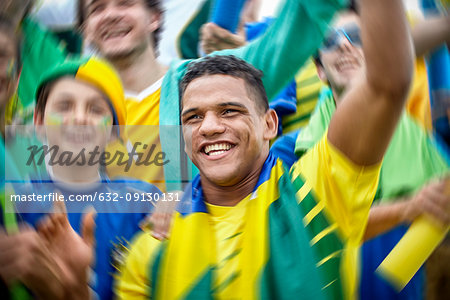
[
  {"x": 127, "y": 2},
  {"x": 229, "y": 111},
  {"x": 95, "y": 8},
  {"x": 193, "y": 117}
]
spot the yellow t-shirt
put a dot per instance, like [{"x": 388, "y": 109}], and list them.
[
  {"x": 142, "y": 134},
  {"x": 343, "y": 192}
]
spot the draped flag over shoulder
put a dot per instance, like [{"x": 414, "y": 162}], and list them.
[{"x": 275, "y": 257}]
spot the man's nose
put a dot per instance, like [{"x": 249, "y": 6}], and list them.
[
  {"x": 112, "y": 11},
  {"x": 211, "y": 125}
]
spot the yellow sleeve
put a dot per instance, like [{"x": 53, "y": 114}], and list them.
[
  {"x": 343, "y": 189},
  {"x": 134, "y": 280}
]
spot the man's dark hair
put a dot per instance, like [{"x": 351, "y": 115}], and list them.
[
  {"x": 231, "y": 66},
  {"x": 154, "y": 5}
]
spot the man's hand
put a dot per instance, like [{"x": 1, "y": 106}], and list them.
[
  {"x": 53, "y": 263},
  {"x": 215, "y": 38},
  {"x": 432, "y": 200},
  {"x": 73, "y": 253},
  {"x": 160, "y": 221},
  {"x": 25, "y": 258}
]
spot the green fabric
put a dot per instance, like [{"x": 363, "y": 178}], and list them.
[
  {"x": 17, "y": 291},
  {"x": 279, "y": 53},
  {"x": 410, "y": 160},
  {"x": 188, "y": 41},
  {"x": 324, "y": 247},
  {"x": 291, "y": 269},
  {"x": 40, "y": 51},
  {"x": 155, "y": 268},
  {"x": 286, "y": 230},
  {"x": 69, "y": 67},
  {"x": 318, "y": 124},
  {"x": 200, "y": 290},
  {"x": 71, "y": 40}
]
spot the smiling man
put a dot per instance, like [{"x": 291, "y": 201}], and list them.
[
  {"x": 252, "y": 229},
  {"x": 244, "y": 142},
  {"x": 126, "y": 33}
]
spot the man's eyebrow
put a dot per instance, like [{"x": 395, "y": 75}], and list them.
[
  {"x": 91, "y": 3},
  {"x": 233, "y": 104},
  {"x": 188, "y": 111},
  {"x": 224, "y": 104}
]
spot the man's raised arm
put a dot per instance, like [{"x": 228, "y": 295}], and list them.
[{"x": 365, "y": 121}]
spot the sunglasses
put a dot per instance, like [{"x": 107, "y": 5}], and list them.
[{"x": 336, "y": 36}]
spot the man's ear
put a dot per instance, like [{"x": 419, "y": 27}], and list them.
[
  {"x": 271, "y": 124},
  {"x": 154, "y": 21},
  {"x": 321, "y": 72}
]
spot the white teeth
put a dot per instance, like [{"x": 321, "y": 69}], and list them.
[
  {"x": 115, "y": 33},
  {"x": 217, "y": 152},
  {"x": 217, "y": 148}
]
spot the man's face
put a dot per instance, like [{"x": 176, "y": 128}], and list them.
[
  {"x": 7, "y": 64},
  {"x": 119, "y": 28},
  {"x": 227, "y": 136},
  {"x": 341, "y": 55},
  {"x": 76, "y": 116}
]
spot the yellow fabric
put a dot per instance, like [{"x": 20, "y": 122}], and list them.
[
  {"x": 418, "y": 104},
  {"x": 142, "y": 127},
  {"x": 134, "y": 281},
  {"x": 236, "y": 278},
  {"x": 189, "y": 264},
  {"x": 345, "y": 192},
  {"x": 308, "y": 90},
  {"x": 228, "y": 225},
  {"x": 104, "y": 77},
  {"x": 143, "y": 111}
]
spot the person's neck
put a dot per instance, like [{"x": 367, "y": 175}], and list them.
[
  {"x": 139, "y": 71},
  {"x": 337, "y": 94},
  {"x": 231, "y": 195}
]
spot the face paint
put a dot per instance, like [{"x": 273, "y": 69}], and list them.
[
  {"x": 105, "y": 121},
  {"x": 54, "y": 119}
]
